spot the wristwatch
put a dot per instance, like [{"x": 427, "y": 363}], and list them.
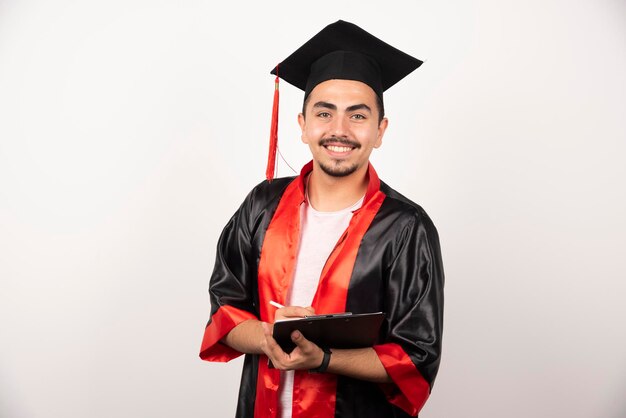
[{"x": 322, "y": 368}]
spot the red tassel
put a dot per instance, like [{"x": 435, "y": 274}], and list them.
[{"x": 271, "y": 157}]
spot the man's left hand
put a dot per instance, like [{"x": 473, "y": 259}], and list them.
[{"x": 307, "y": 355}]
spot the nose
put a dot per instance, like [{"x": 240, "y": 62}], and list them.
[{"x": 339, "y": 127}]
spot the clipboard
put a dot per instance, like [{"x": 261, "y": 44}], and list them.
[{"x": 344, "y": 330}]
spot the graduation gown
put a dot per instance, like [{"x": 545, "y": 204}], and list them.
[{"x": 388, "y": 260}]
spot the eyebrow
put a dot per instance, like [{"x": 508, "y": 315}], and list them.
[
  {"x": 361, "y": 106},
  {"x": 326, "y": 105}
]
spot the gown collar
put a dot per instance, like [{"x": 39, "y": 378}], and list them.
[{"x": 373, "y": 184}]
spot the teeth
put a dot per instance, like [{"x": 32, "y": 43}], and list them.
[{"x": 335, "y": 148}]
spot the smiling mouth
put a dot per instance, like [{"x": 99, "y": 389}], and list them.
[
  {"x": 339, "y": 145},
  {"x": 338, "y": 148}
]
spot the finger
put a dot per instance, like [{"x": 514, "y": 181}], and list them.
[
  {"x": 268, "y": 345},
  {"x": 311, "y": 311},
  {"x": 293, "y": 312},
  {"x": 273, "y": 350},
  {"x": 300, "y": 340},
  {"x": 279, "y": 359},
  {"x": 309, "y": 354},
  {"x": 268, "y": 329}
]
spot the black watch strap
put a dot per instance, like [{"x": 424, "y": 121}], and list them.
[{"x": 325, "y": 362}]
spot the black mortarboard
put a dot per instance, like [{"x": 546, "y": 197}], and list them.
[{"x": 343, "y": 51}]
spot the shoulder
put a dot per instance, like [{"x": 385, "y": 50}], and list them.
[
  {"x": 405, "y": 212},
  {"x": 270, "y": 190},
  {"x": 261, "y": 202},
  {"x": 258, "y": 207}
]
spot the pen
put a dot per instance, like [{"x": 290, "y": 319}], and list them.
[{"x": 276, "y": 304}]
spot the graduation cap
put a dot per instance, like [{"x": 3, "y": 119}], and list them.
[{"x": 340, "y": 51}]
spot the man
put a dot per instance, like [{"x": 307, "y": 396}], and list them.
[{"x": 333, "y": 239}]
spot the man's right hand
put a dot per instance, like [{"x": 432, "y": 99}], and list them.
[{"x": 293, "y": 312}]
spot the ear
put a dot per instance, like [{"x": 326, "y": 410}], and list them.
[
  {"x": 302, "y": 123},
  {"x": 382, "y": 127}
]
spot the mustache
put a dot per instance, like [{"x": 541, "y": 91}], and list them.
[{"x": 336, "y": 140}]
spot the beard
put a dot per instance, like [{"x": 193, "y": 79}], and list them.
[{"x": 338, "y": 168}]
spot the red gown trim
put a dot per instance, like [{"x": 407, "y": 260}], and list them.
[
  {"x": 276, "y": 266},
  {"x": 222, "y": 321},
  {"x": 313, "y": 393},
  {"x": 409, "y": 389}
]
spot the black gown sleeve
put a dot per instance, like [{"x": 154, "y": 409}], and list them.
[
  {"x": 414, "y": 301},
  {"x": 232, "y": 285}
]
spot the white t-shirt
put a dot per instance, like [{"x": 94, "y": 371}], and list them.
[{"x": 319, "y": 233}]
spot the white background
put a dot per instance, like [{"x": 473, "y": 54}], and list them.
[{"x": 131, "y": 130}]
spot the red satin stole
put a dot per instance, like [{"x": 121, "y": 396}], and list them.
[{"x": 313, "y": 393}]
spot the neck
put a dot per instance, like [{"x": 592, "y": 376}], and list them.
[{"x": 329, "y": 194}]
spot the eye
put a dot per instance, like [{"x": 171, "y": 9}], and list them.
[
  {"x": 358, "y": 116},
  {"x": 323, "y": 114}
]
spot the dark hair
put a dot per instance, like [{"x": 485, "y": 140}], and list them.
[{"x": 379, "y": 106}]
